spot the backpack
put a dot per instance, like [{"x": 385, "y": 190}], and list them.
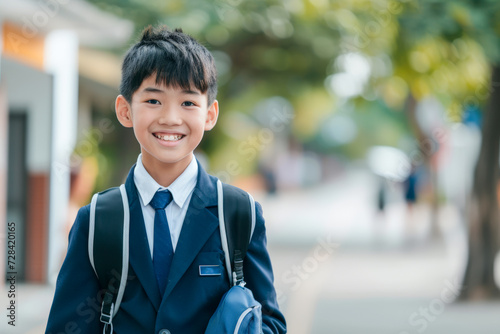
[
  {"x": 238, "y": 311},
  {"x": 108, "y": 247}
]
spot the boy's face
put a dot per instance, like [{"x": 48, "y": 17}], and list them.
[{"x": 169, "y": 122}]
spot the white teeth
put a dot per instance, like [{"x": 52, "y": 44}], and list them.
[{"x": 169, "y": 137}]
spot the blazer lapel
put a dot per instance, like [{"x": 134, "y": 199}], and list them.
[
  {"x": 139, "y": 254},
  {"x": 199, "y": 224}
]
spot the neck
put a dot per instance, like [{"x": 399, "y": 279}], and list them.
[{"x": 166, "y": 173}]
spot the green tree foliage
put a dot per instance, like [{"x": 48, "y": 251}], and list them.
[
  {"x": 267, "y": 48},
  {"x": 291, "y": 48}
]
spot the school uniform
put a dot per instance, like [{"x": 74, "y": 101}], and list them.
[{"x": 191, "y": 297}]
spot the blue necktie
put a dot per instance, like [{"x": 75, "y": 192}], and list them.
[{"x": 163, "y": 252}]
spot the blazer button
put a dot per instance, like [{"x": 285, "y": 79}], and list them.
[{"x": 164, "y": 331}]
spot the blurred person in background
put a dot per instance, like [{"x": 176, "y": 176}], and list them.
[{"x": 410, "y": 189}]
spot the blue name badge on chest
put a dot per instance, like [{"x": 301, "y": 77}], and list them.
[{"x": 210, "y": 270}]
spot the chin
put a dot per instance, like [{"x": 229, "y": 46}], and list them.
[{"x": 170, "y": 160}]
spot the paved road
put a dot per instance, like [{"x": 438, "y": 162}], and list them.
[
  {"x": 377, "y": 291},
  {"x": 342, "y": 267},
  {"x": 33, "y": 303}
]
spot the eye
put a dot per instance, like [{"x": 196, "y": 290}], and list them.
[
  {"x": 188, "y": 104},
  {"x": 153, "y": 101}
]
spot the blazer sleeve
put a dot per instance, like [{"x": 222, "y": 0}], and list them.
[
  {"x": 76, "y": 304},
  {"x": 258, "y": 274}
]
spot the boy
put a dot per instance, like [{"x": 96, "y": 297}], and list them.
[{"x": 168, "y": 92}]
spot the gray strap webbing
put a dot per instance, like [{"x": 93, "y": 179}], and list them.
[
  {"x": 109, "y": 228},
  {"x": 236, "y": 225}
]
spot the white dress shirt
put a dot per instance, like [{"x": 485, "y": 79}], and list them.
[{"x": 182, "y": 190}]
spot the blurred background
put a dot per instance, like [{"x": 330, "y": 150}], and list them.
[{"x": 369, "y": 130}]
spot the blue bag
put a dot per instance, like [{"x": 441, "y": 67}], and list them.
[{"x": 238, "y": 311}]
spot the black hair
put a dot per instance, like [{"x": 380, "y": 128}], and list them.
[{"x": 176, "y": 58}]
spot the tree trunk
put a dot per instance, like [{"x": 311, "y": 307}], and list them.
[{"x": 479, "y": 280}]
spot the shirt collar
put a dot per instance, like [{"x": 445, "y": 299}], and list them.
[{"x": 181, "y": 188}]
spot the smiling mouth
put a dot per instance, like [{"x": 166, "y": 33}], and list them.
[{"x": 169, "y": 138}]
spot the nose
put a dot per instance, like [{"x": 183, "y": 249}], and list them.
[{"x": 170, "y": 115}]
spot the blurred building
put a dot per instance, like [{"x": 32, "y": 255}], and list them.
[{"x": 51, "y": 76}]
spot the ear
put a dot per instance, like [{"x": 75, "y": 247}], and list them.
[
  {"x": 123, "y": 111},
  {"x": 212, "y": 115}
]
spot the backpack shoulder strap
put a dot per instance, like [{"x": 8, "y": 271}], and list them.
[
  {"x": 108, "y": 248},
  {"x": 236, "y": 224}
]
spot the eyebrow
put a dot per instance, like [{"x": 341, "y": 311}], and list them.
[
  {"x": 191, "y": 92},
  {"x": 152, "y": 90},
  {"x": 158, "y": 90}
]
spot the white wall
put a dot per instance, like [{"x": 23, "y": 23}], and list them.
[{"x": 31, "y": 90}]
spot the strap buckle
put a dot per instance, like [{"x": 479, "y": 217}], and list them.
[
  {"x": 237, "y": 281},
  {"x": 107, "y": 310}
]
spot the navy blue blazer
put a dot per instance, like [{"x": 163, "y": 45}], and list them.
[{"x": 189, "y": 300}]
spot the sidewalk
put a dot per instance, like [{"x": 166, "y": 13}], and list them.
[
  {"x": 33, "y": 306},
  {"x": 342, "y": 267},
  {"x": 377, "y": 292}
]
